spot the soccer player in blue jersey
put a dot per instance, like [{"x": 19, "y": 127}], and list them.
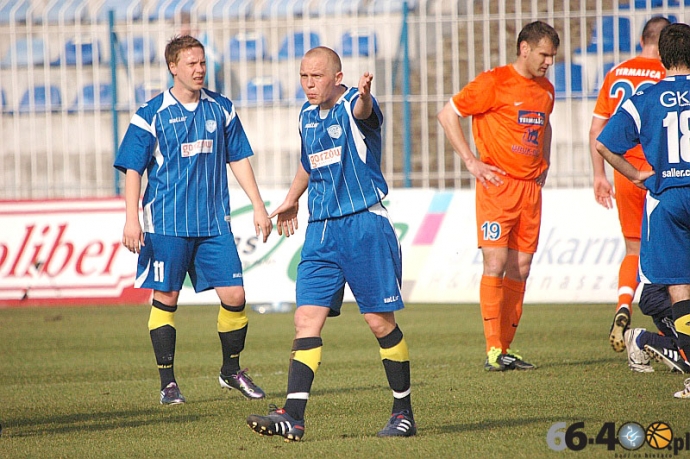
[
  {"x": 183, "y": 139},
  {"x": 349, "y": 238},
  {"x": 658, "y": 118}
]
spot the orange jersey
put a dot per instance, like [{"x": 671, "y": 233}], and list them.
[
  {"x": 509, "y": 116},
  {"x": 623, "y": 81}
]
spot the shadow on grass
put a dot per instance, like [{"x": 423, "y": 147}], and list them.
[{"x": 98, "y": 421}]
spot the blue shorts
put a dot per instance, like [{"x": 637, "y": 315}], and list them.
[
  {"x": 665, "y": 245},
  {"x": 211, "y": 262},
  {"x": 361, "y": 249}
]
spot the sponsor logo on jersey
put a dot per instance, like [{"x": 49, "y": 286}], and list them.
[
  {"x": 335, "y": 131},
  {"x": 644, "y": 73},
  {"x": 531, "y": 118},
  {"x": 179, "y": 119},
  {"x": 211, "y": 126},
  {"x": 311, "y": 125},
  {"x": 325, "y": 158},
  {"x": 194, "y": 148}
]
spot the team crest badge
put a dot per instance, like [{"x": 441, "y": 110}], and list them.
[
  {"x": 335, "y": 131},
  {"x": 211, "y": 126}
]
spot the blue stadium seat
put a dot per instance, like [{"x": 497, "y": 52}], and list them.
[
  {"x": 143, "y": 50},
  {"x": 338, "y": 7},
  {"x": 562, "y": 85},
  {"x": 45, "y": 99},
  {"x": 14, "y": 11},
  {"x": 293, "y": 45},
  {"x": 86, "y": 99},
  {"x": 231, "y": 9},
  {"x": 3, "y": 100},
  {"x": 25, "y": 53},
  {"x": 606, "y": 35},
  {"x": 263, "y": 89},
  {"x": 124, "y": 10},
  {"x": 360, "y": 42},
  {"x": 248, "y": 46},
  {"x": 166, "y": 10},
  {"x": 67, "y": 11},
  {"x": 84, "y": 51},
  {"x": 284, "y": 9},
  {"x": 643, "y": 4}
]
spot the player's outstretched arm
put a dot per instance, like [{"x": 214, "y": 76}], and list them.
[
  {"x": 364, "y": 105},
  {"x": 287, "y": 211},
  {"x": 132, "y": 235},
  {"x": 485, "y": 173},
  {"x": 243, "y": 172},
  {"x": 603, "y": 191}
]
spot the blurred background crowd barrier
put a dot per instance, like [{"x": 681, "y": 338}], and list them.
[{"x": 72, "y": 73}]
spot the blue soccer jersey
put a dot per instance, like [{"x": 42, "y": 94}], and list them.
[
  {"x": 658, "y": 119},
  {"x": 184, "y": 154},
  {"x": 343, "y": 158}
]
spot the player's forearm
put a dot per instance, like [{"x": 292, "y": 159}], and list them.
[
  {"x": 244, "y": 174},
  {"x": 299, "y": 185},
  {"x": 548, "y": 136},
  {"x": 618, "y": 162},
  {"x": 450, "y": 122},
  {"x": 363, "y": 107},
  {"x": 598, "y": 166},
  {"x": 132, "y": 194}
]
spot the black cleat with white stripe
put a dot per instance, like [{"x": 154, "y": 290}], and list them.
[
  {"x": 400, "y": 425},
  {"x": 278, "y": 422}
]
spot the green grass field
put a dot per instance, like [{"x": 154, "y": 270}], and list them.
[{"x": 82, "y": 382}]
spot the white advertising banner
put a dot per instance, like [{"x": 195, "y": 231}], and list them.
[{"x": 67, "y": 251}]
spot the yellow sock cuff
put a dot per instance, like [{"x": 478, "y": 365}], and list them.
[
  {"x": 159, "y": 318},
  {"x": 230, "y": 321},
  {"x": 309, "y": 357},
  {"x": 397, "y": 353},
  {"x": 683, "y": 324}
]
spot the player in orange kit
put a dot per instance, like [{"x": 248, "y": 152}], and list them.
[
  {"x": 510, "y": 108},
  {"x": 621, "y": 82}
]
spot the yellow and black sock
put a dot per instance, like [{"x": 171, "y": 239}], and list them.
[
  {"x": 232, "y": 330},
  {"x": 396, "y": 362},
  {"x": 304, "y": 361},
  {"x": 681, "y": 319},
  {"x": 163, "y": 336}
]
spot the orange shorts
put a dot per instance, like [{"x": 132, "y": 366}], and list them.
[
  {"x": 630, "y": 203},
  {"x": 509, "y": 215}
]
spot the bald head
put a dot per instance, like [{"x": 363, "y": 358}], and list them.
[{"x": 332, "y": 58}]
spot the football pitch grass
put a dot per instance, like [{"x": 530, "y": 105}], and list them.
[{"x": 82, "y": 382}]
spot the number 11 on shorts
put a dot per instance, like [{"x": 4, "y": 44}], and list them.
[{"x": 158, "y": 271}]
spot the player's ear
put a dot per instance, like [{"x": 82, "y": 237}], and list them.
[
  {"x": 338, "y": 78},
  {"x": 524, "y": 48}
]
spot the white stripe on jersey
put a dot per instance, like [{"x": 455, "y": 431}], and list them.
[{"x": 629, "y": 107}]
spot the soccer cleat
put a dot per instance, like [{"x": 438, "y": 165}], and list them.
[
  {"x": 243, "y": 383},
  {"x": 685, "y": 393},
  {"x": 278, "y": 422},
  {"x": 638, "y": 359},
  {"x": 512, "y": 361},
  {"x": 399, "y": 425},
  {"x": 670, "y": 357},
  {"x": 492, "y": 362},
  {"x": 621, "y": 321},
  {"x": 171, "y": 395}
]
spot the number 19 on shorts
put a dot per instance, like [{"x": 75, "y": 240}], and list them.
[{"x": 491, "y": 231}]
